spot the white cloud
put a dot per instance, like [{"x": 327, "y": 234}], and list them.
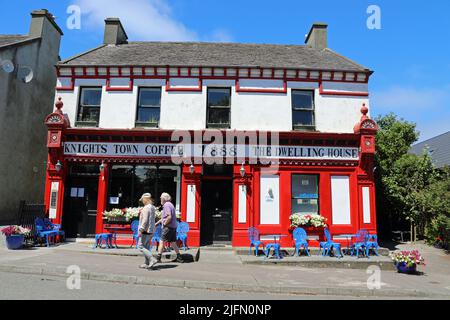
[
  {"x": 398, "y": 99},
  {"x": 428, "y": 107},
  {"x": 142, "y": 19}
]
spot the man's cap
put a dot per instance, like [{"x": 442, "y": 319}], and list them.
[{"x": 145, "y": 195}]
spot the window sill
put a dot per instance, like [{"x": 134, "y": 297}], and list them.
[
  {"x": 218, "y": 126},
  {"x": 146, "y": 124},
  {"x": 86, "y": 124},
  {"x": 304, "y": 128}
]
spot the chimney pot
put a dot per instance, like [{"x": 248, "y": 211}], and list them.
[{"x": 317, "y": 36}]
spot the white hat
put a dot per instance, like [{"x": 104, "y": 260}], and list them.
[{"x": 145, "y": 195}]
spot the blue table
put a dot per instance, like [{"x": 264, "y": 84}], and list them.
[
  {"x": 274, "y": 245},
  {"x": 349, "y": 240}
]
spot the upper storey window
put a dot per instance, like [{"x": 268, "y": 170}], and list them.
[
  {"x": 303, "y": 110},
  {"x": 149, "y": 107},
  {"x": 219, "y": 106},
  {"x": 89, "y": 107}
]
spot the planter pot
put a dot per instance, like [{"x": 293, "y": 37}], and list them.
[
  {"x": 312, "y": 231},
  {"x": 117, "y": 219},
  {"x": 14, "y": 241},
  {"x": 403, "y": 268}
]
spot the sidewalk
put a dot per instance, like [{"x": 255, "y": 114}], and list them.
[{"x": 223, "y": 270}]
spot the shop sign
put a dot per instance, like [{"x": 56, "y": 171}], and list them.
[{"x": 187, "y": 151}]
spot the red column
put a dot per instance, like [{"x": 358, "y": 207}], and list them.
[
  {"x": 102, "y": 199},
  {"x": 189, "y": 179}
]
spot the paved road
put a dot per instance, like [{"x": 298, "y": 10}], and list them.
[{"x": 22, "y": 286}]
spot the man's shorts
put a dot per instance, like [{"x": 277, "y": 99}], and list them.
[{"x": 169, "y": 234}]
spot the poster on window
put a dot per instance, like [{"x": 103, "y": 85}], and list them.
[{"x": 270, "y": 200}]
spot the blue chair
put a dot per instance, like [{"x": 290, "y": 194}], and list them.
[
  {"x": 253, "y": 235},
  {"x": 301, "y": 240},
  {"x": 372, "y": 243},
  {"x": 135, "y": 229},
  {"x": 182, "y": 230},
  {"x": 329, "y": 245},
  {"x": 42, "y": 231},
  {"x": 360, "y": 242},
  {"x": 101, "y": 238},
  {"x": 275, "y": 247},
  {"x": 156, "y": 239},
  {"x": 54, "y": 226}
]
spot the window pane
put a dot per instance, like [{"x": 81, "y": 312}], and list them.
[
  {"x": 91, "y": 96},
  {"x": 302, "y": 118},
  {"x": 148, "y": 115},
  {"x": 302, "y": 100},
  {"x": 219, "y": 116},
  {"x": 219, "y": 97},
  {"x": 305, "y": 194},
  {"x": 121, "y": 186},
  {"x": 150, "y": 97},
  {"x": 144, "y": 181},
  {"x": 89, "y": 114}
]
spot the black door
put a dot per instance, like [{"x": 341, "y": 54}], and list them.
[
  {"x": 216, "y": 211},
  {"x": 80, "y": 207}
]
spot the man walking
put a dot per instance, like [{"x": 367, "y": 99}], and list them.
[
  {"x": 169, "y": 227},
  {"x": 146, "y": 230}
]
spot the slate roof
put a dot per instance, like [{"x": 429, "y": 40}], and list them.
[
  {"x": 439, "y": 149},
  {"x": 214, "y": 54},
  {"x": 10, "y": 39}
]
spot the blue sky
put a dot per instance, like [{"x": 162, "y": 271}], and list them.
[{"x": 409, "y": 54}]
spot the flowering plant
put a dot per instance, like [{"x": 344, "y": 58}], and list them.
[
  {"x": 114, "y": 213},
  {"x": 15, "y": 230},
  {"x": 307, "y": 220},
  {"x": 158, "y": 214},
  {"x": 132, "y": 213},
  {"x": 410, "y": 258}
]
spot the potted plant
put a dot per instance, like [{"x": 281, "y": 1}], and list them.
[
  {"x": 312, "y": 223},
  {"x": 115, "y": 215},
  {"x": 407, "y": 261},
  {"x": 132, "y": 213},
  {"x": 15, "y": 236}
]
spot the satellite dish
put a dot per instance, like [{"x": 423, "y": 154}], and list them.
[
  {"x": 25, "y": 74},
  {"x": 7, "y": 66}
]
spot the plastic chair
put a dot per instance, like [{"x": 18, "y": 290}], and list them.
[
  {"x": 372, "y": 243},
  {"x": 135, "y": 229},
  {"x": 329, "y": 245},
  {"x": 360, "y": 243},
  {"x": 54, "y": 226},
  {"x": 253, "y": 235},
  {"x": 156, "y": 239},
  {"x": 42, "y": 231},
  {"x": 182, "y": 230},
  {"x": 301, "y": 240},
  {"x": 276, "y": 248}
]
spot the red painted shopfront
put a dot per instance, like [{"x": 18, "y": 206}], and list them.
[{"x": 219, "y": 203}]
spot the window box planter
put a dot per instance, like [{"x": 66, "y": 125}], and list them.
[{"x": 15, "y": 241}]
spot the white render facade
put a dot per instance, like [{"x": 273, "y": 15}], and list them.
[{"x": 186, "y": 110}]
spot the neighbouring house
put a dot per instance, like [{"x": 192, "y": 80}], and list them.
[
  {"x": 437, "y": 147},
  {"x": 27, "y": 88},
  {"x": 123, "y": 106}
]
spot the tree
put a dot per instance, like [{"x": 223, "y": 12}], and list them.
[{"x": 393, "y": 140}]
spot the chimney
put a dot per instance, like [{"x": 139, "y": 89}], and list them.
[
  {"x": 317, "y": 36},
  {"x": 43, "y": 22},
  {"x": 114, "y": 32}
]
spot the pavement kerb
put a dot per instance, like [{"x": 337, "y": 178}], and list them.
[{"x": 106, "y": 277}]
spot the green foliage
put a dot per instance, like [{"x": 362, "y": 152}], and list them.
[{"x": 408, "y": 186}]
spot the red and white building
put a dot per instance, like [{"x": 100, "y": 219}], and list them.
[{"x": 122, "y": 104}]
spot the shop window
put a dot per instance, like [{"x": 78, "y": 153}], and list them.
[
  {"x": 129, "y": 182},
  {"x": 149, "y": 107},
  {"x": 305, "y": 194},
  {"x": 219, "y": 106},
  {"x": 89, "y": 107},
  {"x": 303, "y": 110}
]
